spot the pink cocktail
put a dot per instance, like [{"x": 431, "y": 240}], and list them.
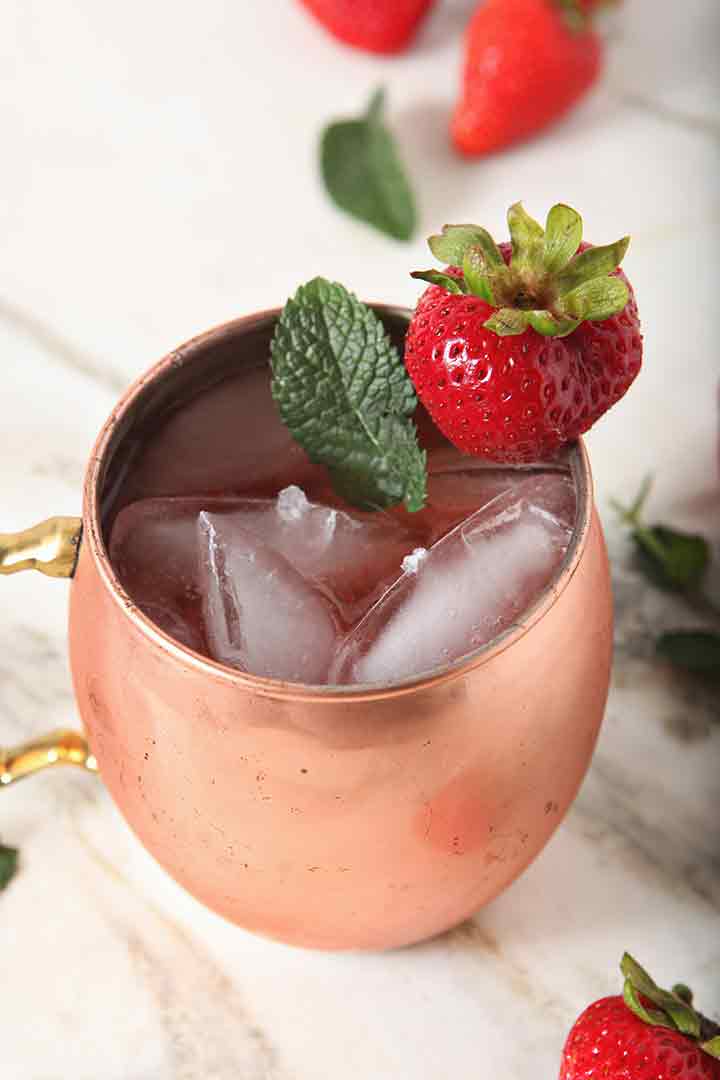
[{"x": 237, "y": 547}]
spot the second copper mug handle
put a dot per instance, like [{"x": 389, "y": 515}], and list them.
[{"x": 52, "y": 548}]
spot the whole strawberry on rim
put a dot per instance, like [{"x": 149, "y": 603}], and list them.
[
  {"x": 647, "y": 1034},
  {"x": 516, "y": 350}
]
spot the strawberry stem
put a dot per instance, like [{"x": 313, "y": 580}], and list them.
[
  {"x": 712, "y": 1047},
  {"x": 653, "y": 1017},
  {"x": 578, "y": 14},
  {"x": 683, "y": 992},
  {"x": 376, "y": 105},
  {"x": 577, "y": 18},
  {"x": 632, "y": 516},
  {"x": 674, "y": 1007},
  {"x": 551, "y": 284}
]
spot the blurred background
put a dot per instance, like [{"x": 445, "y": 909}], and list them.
[{"x": 158, "y": 175}]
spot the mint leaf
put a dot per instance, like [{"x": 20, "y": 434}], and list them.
[
  {"x": 363, "y": 173},
  {"x": 694, "y": 650},
  {"x": 342, "y": 389},
  {"x": 8, "y": 865},
  {"x": 669, "y": 558}
]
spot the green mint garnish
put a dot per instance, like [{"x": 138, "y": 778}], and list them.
[
  {"x": 697, "y": 651},
  {"x": 669, "y": 558},
  {"x": 8, "y": 865},
  {"x": 363, "y": 173},
  {"x": 342, "y": 390},
  {"x": 676, "y": 561}
]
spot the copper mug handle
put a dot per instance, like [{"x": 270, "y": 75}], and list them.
[{"x": 51, "y": 547}]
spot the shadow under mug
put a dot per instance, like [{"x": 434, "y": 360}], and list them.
[{"x": 339, "y": 818}]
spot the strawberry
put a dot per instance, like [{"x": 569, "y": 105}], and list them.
[
  {"x": 626, "y": 1038},
  {"x": 517, "y": 350},
  {"x": 527, "y": 62},
  {"x": 374, "y": 25}
]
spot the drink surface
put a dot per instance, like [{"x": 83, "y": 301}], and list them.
[{"x": 234, "y": 544}]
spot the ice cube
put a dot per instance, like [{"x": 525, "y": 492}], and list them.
[
  {"x": 229, "y": 439},
  {"x": 260, "y": 614},
  {"x": 453, "y": 496},
  {"x": 292, "y": 504},
  {"x": 458, "y": 485},
  {"x": 153, "y": 549},
  {"x": 352, "y": 557},
  {"x": 411, "y": 563},
  {"x": 551, "y": 495},
  {"x": 473, "y": 584}
]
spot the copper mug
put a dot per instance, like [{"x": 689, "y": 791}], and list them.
[{"x": 336, "y": 818}]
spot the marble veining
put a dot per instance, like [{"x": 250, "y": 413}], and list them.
[
  {"x": 64, "y": 352},
  {"x": 137, "y": 212},
  {"x": 706, "y": 125},
  {"x": 207, "y": 1028}
]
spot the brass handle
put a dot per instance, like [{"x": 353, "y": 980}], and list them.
[
  {"x": 51, "y": 547},
  {"x": 58, "y": 748}
]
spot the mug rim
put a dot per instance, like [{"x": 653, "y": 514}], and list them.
[{"x": 274, "y": 688}]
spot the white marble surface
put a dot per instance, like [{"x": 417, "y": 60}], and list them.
[{"x": 158, "y": 177}]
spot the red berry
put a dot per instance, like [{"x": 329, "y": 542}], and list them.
[
  {"x": 516, "y": 379},
  {"x": 609, "y": 1041},
  {"x": 647, "y": 1034},
  {"x": 527, "y": 62},
  {"x": 375, "y": 25}
]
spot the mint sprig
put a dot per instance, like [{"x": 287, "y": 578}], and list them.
[
  {"x": 363, "y": 173},
  {"x": 670, "y": 558},
  {"x": 696, "y": 651},
  {"x": 676, "y": 561},
  {"x": 342, "y": 390},
  {"x": 8, "y": 865}
]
